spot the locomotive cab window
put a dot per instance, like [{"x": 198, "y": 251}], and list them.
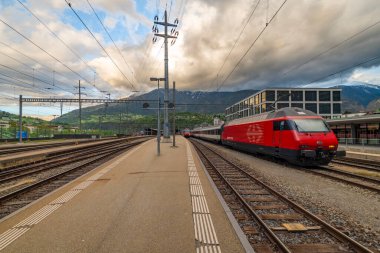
[
  {"x": 311, "y": 125},
  {"x": 282, "y": 125}
]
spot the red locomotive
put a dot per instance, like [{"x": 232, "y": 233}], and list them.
[
  {"x": 186, "y": 133},
  {"x": 296, "y": 135}
]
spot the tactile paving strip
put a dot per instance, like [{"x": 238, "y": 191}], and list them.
[
  {"x": 205, "y": 235},
  {"x": 22, "y": 227}
]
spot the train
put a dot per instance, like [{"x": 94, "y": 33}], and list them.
[
  {"x": 186, "y": 132},
  {"x": 296, "y": 135}
]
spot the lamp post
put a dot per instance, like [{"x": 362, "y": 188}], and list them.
[{"x": 154, "y": 79}]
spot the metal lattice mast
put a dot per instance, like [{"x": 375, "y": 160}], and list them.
[{"x": 166, "y": 36}]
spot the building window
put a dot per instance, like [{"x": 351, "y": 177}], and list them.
[
  {"x": 324, "y": 96},
  {"x": 310, "y": 95},
  {"x": 336, "y": 95},
  {"x": 270, "y": 94},
  {"x": 336, "y": 108},
  {"x": 251, "y": 101},
  {"x": 246, "y": 104},
  {"x": 283, "y": 95},
  {"x": 257, "y": 110},
  {"x": 298, "y": 105},
  {"x": 282, "y": 105},
  {"x": 324, "y": 109},
  {"x": 263, "y": 108},
  {"x": 311, "y": 107},
  {"x": 263, "y": 97},
  {"x": 297, "y": 95},
  {"x": 256, "y": 99},
  {"x": 270, "y": 106}
]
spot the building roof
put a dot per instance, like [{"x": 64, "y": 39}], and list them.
[{"x": 371, "y": 118}]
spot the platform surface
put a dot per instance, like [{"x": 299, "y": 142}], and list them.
[{"x": 137, "y": 202}]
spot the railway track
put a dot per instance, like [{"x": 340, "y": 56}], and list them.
[
  {"x": 13, "y": 150},
  {"x": 360, "y": 181},
  {"x": 359, "y": 163},
  {"x": 17, "y": 195},
  {"x": 272, "y": 222}
]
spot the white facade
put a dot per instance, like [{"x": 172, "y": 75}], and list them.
[{"x": 324, "y": 102}]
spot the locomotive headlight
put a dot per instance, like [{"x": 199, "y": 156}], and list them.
[{"x": 331, "y": 146}]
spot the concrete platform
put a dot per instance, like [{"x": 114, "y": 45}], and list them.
[
  {"x": 365, "y": 152},
  {"x": 137, "y": 202}
]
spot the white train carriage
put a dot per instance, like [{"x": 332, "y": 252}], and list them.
[{"x": 211, "y": 133}]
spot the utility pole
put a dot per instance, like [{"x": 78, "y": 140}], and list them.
[
  {"x": 80, "y": 109},
  {"x": 166, "y": 37},
  {"x": 61, "y": 108},
  {"x": 154, "y": 79},
  {"x": 174, "y": 130},
  {"x": 20, "y": 120}
]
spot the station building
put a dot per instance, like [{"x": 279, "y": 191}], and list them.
[
  {"x": 324, "y": 102},
  {"x": 357, "y": 129}
]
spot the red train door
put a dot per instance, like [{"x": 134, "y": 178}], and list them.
[{"x": 276, "y": 139}]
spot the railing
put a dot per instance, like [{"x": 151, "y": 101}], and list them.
[{"x": 359, "y": 141}]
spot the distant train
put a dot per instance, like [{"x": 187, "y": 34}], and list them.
[
  {"x": 186, "y": 132},
  {"x": 296, "y": 135}
]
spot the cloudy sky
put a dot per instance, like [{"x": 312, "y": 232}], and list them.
[{"x": 222, "y": 45}]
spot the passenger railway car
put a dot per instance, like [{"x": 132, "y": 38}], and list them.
[
  {"x": 296, "y": 135},
  {"x": 186, "y": 132},
  {"x": 208, "y": 133}
]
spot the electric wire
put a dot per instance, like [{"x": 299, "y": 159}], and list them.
[
  {"x": 236, "y": 41},
  {"x": 329, "y": 49},
  {"x": 35, "y": 70},
  {"x": 88, "y": 29},
  {"x": 34, "y": 60},
  {"x": 345, "y": 69},
  {"x": 252, "y": 44},
  {"x": 43, "y": 81},
  {"x": 55, "y": 35},
  {"x": 52, "y": 56},
  {"x": 109, "y": 35}
]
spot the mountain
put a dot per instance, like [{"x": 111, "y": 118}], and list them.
[
  {"x": 362, "y": 93},
  {"x": 187, "y": 101},
  {"x": 355, "y": 96}
]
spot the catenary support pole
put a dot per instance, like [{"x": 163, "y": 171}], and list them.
[
  {"x": 80, "y": 109},
  {"x": 158, "y": 119},
  {"x": 20, "y": 120},
  {"x": 166, "y": 95},
  {"x": 174, "y": 128}
]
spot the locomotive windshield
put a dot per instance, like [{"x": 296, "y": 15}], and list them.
[{"x": 311, "y": 125}]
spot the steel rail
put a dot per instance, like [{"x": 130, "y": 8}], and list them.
[
  {"x": 327, "y": 227},
  {"x": 359, "y": 164},
  {"x": 271, "y": 236},
  {"x": 54, "y": 163},
  {"x": 47, "y": 180}
]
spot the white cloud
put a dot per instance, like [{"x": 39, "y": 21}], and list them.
[{"x": 208, "y": 29}]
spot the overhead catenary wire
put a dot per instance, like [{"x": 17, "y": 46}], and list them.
[
  {"x": 105, "y": 51},
  {"x": 236, "y": 41},
  {"x": 34, "y": 70},
  {"x": 352, "y": 36},
  {"x": 34, "y": 60},
  {"x": 21, "y": 81},
  {"x": 252, "y": 44},
  {"x": 36, "y": 78},
  {"x": 345, "y": 69},
  {"x": 56, "y": 36},
  {"x": 46, "y": 52},
  {"x": 109, "y": 36}
]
